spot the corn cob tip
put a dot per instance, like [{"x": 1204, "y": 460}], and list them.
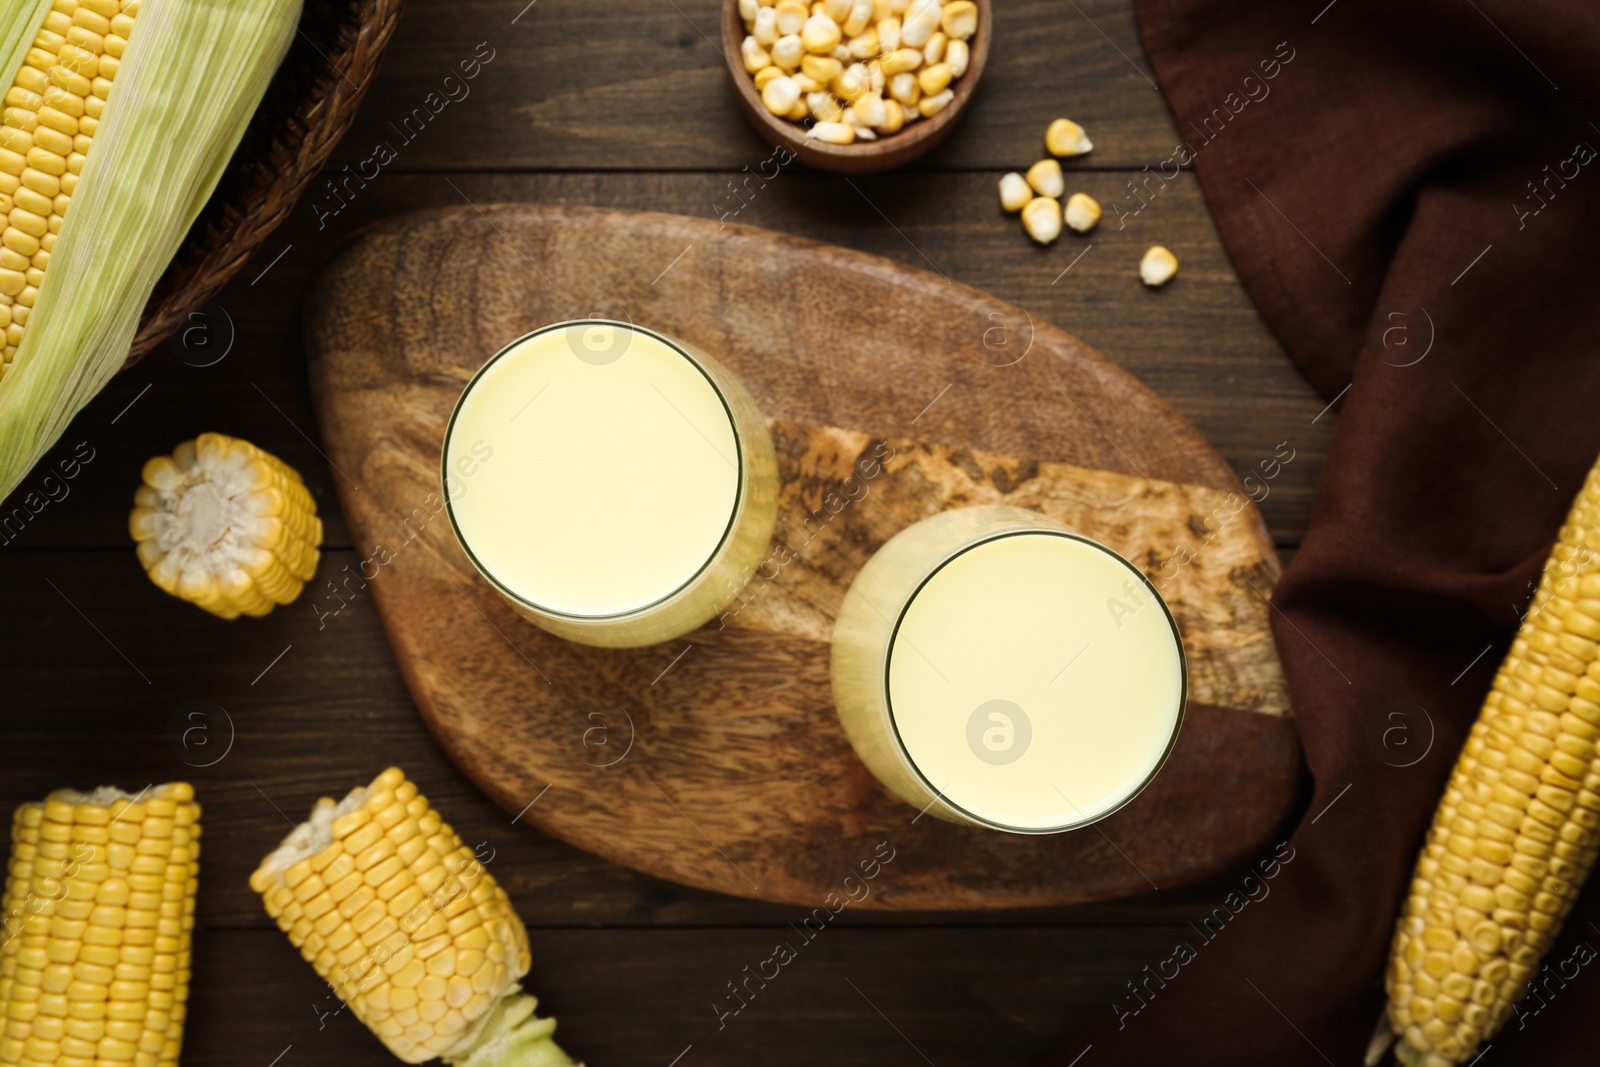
[{"x": 399, "y": 916}]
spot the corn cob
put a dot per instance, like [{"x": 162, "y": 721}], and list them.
[
  {"x": 118, "y": 119},
  {"x": 52, "y": 110},
  {"x": 94, "y": 950},
  {"x": 397, "y": 915},
  {"x": 1516, "y": 832},
  {"x": 224, "y": 525}
]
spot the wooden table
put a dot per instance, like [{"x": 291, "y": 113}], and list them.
[{"x": 619, "y": 104}]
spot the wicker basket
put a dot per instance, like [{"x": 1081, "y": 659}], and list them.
[{"x": 305, "y": 111}]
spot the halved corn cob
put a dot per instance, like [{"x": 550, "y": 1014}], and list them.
[
  {"x": 224, "y": 525},
  {"x": 397, "y": 915},
  {"x": 1516, "y": 832},
  {"x": 118, "y": 119},
  {"x": 94, "y": 948}
]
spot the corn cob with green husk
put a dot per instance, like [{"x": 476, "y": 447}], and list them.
[
  {"x": 1517, "y": 831},
  {"x": 118, "y": 119},
  {"x": 397, "y": 915}
]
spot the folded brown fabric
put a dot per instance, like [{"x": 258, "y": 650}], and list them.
[{"x": 1411, "y": 194}]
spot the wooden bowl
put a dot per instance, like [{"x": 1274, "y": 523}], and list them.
[
  {"x": 862, "y": 157},
  {"x": 307, "y": 108}
]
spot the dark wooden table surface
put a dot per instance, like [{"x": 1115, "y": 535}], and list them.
[{"x": 620, "y": 103}]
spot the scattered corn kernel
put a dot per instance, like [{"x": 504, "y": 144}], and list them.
[
  {"x": 1014, "y": 192},
  {"x": 1041, "y": 217},
  {"x": 1081, "y": 212},
  {"x": 1158, "y": 266},
  {"x": 874, "y": 66},
  {"x": 1066, "y": 138},
  {"x": 1046, "y": 178}
]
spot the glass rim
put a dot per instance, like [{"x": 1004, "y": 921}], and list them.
[
  {"x": 1177, "y": 724},
  {"x": 739, "y": 472}
]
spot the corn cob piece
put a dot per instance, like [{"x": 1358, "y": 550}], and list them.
[
  {"x": 1519, "y": 825},
  {"x": 117, "y": 120},
  {"x": 94, "y": 947},
  {"x": 397, "y": 915},
  {"x": 224, "y": 525}
]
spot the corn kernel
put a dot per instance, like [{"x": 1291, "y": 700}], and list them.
[
  {"x": 834, "y": 132},
  {"x": 1046, "y": 178},
  {"x": 1066, "y": 138},
  {"x": 1158, "y": 266},
  {"x": 1082, "y": 212},
  {"x": 1014, "y": 192},
  {"x": 1041, "y": 217}
]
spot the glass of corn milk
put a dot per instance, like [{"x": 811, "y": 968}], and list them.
[
  {"x": 617, "y": 486},
  {"x": 995, "y": 669}
]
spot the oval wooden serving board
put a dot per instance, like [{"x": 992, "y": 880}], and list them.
[{"x": 717, "y": 760}]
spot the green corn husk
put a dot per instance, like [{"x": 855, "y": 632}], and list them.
[{"x": 187, "y": 86}]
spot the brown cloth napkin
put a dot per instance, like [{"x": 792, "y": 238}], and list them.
[{"x": 1411, "y": 194}]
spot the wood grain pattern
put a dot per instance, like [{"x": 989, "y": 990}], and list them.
[
  {"x": 736, "y": 775},
  {"x": 641, "y": 85},
  {"x": 1197, "y": 342},
  {"x": 1217, "y": 601}
]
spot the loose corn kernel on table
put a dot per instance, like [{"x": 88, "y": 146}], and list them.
[{"x": 110, "y": 681}]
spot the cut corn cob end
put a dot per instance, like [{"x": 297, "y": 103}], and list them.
[
  {"x": 99, "y": 906},
  {"x": 398, "y": 916},
  {"x": 226, "y": 526},
  {"x": 51, "y": 111},
  {"x": 1518, "y": 828}
]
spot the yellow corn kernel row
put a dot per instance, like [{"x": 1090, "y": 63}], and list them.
[
  {"x": 382, "y": 897},
  {"x": 50, "y": 114},
  {"x": 1516, "y": 832},
  {"x": 94, "y": 941},
  {"x": 226, "y": 526}
]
